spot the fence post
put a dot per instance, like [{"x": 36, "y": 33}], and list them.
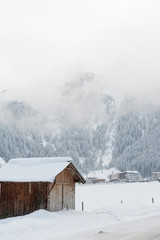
[
  {"x": 82, "y": 206},
  {"x": 152, "y": 200}
]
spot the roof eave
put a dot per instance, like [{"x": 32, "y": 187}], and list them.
[{"x": 81, "y": 179}]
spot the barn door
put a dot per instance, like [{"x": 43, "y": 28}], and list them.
[{"x": 68, "y": 197}]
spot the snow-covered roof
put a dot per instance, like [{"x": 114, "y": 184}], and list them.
[
  {"x": 103, "y": 174},
  {"x": 130, "y": 172},
  {"x": 33, "y": 169}
]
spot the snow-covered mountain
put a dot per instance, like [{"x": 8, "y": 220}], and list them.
[{"x": 98, "y": 129}]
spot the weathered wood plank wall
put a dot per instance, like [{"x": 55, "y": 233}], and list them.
[{"x": 17, "y": 199}]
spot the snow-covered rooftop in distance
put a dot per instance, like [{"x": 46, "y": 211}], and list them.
[
  {"x": 130, "y": 172},
  {"x": 102, "y": 174},
  {"x": 33, "y": 169}
]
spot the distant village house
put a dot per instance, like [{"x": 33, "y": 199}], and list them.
[
  {"x": 100, "y": 176},
  {"x": 127, "y": 176},
  {"x": 155, "y": 176}
]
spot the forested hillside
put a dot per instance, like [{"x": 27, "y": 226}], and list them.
[{"x": 137, "y": 143}]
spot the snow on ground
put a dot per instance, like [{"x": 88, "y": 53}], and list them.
[
  {"x": 102, "y": 204},
  {"x": 136, "y": 199},
  {"x": 42, "y": 225},
  {"x": 144, "y": 228}
]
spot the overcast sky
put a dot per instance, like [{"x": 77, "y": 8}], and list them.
[{"x": 44, "y": 43}]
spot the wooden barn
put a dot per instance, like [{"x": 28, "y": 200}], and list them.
[{"x": 30, "y": 184}]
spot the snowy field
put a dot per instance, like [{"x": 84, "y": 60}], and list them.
[{"x": 104, "y": 205}]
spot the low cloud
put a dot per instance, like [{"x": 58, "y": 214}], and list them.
[{"x": 46, "y": 51}]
